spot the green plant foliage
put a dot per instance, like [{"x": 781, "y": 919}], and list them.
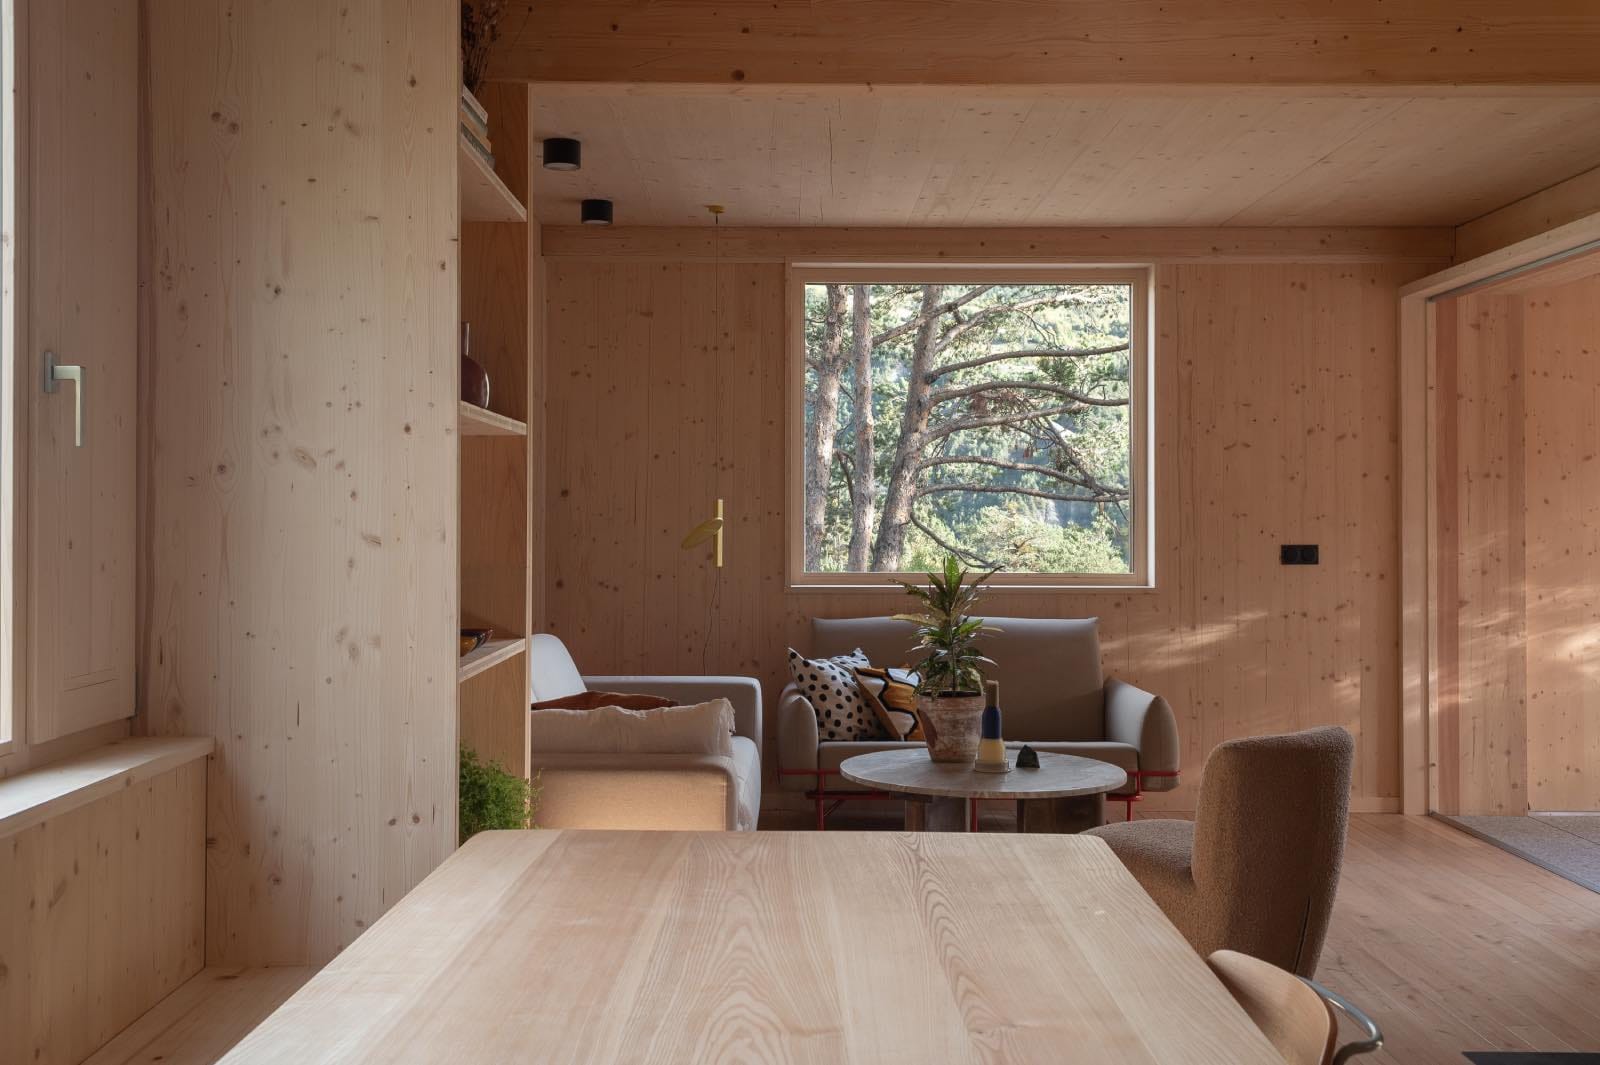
[
  {"x": 988, "y": 421},
  {"x": 946, "y": 630},
  {"x": 490, "y": 797}
]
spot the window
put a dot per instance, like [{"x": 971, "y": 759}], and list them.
[
  {"x": 9, "y": 436},
  {"x": 997, "y": 415},
  {"x": 69, "y": 185}
]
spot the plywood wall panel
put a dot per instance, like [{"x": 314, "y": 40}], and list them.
[
  {"x": 1518, "y": 561},
  {"x": 1276, "y": 422},
  {"x": 101, "y": 916},
  {"x": 298, "y": 410},
  {"x": 1561, "y": 339}
]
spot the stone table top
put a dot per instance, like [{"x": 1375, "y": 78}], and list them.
[{"x": 1059, "y": 776}]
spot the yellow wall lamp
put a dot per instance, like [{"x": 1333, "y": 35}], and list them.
[{"x": 710, "y": 529}]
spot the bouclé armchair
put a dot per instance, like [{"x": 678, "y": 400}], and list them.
[
  {"x": 1257, "y": 868},
  {"x": 1052, "y": 693}
]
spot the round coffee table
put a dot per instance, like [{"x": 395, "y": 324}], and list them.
[{"x": 1065, "y": 794}]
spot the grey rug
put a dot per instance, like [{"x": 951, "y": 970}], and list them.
[{"x": 1566, "y": 844}]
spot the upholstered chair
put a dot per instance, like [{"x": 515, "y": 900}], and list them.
[
  {"x": 1299, "y": 1017},
  {"x": 1256, "y": 870}
]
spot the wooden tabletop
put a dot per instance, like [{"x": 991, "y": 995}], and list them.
[
  {"x": 1059, "y": 776},
  {"x": 832, "y": 948}
]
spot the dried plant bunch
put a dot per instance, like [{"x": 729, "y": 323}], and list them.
[{"x": 480, "y": 28}]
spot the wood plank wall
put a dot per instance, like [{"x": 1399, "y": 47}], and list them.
[
  {"x": 1276, "y": 422},
  {"x": 299, "y": 453},
  {"x": 101, "y": 916},
  {"x": 1518, "y": 717}
]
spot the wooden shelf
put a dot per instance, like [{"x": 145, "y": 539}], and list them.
[
  {"x": 484, "y": 197},
  {"x": 475, "y": 421},
  {"x": 488, "y": 656}
]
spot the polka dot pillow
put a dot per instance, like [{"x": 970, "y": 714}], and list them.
[{"x": 829, "y": 685}]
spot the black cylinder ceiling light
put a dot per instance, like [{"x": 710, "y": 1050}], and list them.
[
  {"x": 566, "y": 154},
  {"x": 562, "y": 153}
]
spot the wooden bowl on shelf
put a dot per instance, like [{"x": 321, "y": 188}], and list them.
[{"x": 472, "y": 639}]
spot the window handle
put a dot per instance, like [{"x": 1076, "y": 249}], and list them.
[{"x": 54, "y": 374}]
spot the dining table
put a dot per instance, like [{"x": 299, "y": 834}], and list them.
[{"x": 808, "y": 947}]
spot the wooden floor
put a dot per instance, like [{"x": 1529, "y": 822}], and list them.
[
  {"x": 1454, "y": 944},
  {"x": 203, "y": 1019},
  {"x": 1450, "y": 943}
]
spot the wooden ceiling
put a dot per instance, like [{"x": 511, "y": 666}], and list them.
[
  {"x": 1442, "y": 44},
  {"x": 840, "y": 156}
]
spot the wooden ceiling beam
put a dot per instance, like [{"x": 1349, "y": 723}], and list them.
[
  {"x": 870, "y": 244},
  {"x": 1344, "y": 45}
]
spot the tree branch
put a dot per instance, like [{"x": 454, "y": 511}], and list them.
[
  {"x": 952, "y": 548},
  {"x": 841, "y": 460},
  {"x": 962, "y": 424},
  {"x": 945, "y": 395},
  {"x": 966, "y": 325},
  {"x": 1009, "y": 489},
  {"x": 1024, "y": 353},
  {"x": 916, "y": 323},
  {"x": 1023, "y": 467}
]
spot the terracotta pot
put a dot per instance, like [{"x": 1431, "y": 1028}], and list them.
[{"x": 952, "y": 723}]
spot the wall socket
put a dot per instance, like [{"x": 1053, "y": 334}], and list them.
[{"x": 1298, "y": 554}]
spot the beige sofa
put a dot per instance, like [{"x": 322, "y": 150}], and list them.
[
  {"x": 1052, "y": 694},
  {"x": 596, "y": 789}
]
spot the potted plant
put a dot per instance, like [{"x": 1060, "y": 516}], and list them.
[
  {"x": 950, "y": 692},
  {"x": 491, "y": 797}
]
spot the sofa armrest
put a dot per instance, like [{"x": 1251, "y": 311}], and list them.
[
  {"x": 797, "y": 732},
  {"x": 1145, "y": 722},
  {"x": 683, "y": 792},
  {"x": 743, "y": 692}
]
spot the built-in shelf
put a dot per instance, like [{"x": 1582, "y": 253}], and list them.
[
  {"x": 475, "y": 421},
  {"x": 484, "y": 197},
  {"x": 488, "y": 656}
]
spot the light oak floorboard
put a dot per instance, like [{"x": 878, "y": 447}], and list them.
[{"x": 203, "y": 1019}]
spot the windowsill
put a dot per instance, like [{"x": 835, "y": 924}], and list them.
[{"x": 34, "y": 796}]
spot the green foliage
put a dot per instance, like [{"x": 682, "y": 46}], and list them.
[
  {"x": 946, "y": 630},
  {"x": 1024, "y": 459},
  {"x": 492, "y": 798}
]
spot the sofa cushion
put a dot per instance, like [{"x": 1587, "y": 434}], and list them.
[
  {"x": 705, "y": 728},
  {"x": 1051, "y": 686},
  {"x": 747, "y": 771},
  {"x": 891, "y": 695},
  {"x": 595, "y": 700},
  {"x": 829, "y": 685}
]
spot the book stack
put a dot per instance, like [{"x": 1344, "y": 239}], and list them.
[{"x": 475, "y": 126}]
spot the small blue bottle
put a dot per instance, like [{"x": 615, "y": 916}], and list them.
[{"x": 991, "y": 747}]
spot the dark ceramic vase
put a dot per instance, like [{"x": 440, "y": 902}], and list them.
[{"x": 474, "y": 382}]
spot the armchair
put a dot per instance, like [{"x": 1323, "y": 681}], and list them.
[{"x": 1051, "y": 690}]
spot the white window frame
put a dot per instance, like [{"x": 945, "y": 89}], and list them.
[
  {"x": 13, "y": 426},
  {"x": 1141, "y": 390}
]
